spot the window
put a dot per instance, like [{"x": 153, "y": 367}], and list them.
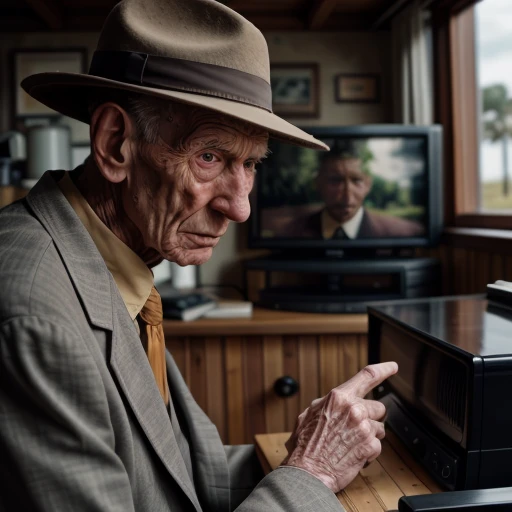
[
  {"x": 493, "y": 44},
  {"x": 466, "y": 48}
]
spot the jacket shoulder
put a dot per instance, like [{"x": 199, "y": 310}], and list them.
[{"x": 28, "y": 259}]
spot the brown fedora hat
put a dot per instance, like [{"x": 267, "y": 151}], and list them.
[{"x": 198, "y": 52}]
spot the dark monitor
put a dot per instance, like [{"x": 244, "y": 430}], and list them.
[{"x": 378, "y": 187}]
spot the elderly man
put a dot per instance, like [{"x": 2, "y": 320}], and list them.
[{"x": 94, "y": 415}]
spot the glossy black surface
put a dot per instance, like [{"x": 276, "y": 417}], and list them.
[{"x": 467, "y": 323}]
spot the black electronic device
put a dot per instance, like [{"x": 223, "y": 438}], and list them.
[
  {"x": 481, "y": 500},
  {"x": 450, "y": 402},
  {"x": 345, "y": 286},
  {"x": 378, "y": 188}
]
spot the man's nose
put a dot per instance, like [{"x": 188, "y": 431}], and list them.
[
  {"x": 233, "y": 200},
  {"x": 345, "y": 191}
]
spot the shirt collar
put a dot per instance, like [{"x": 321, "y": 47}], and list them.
[
  {"x": 132, "y": 276},
  {"x": 351, "y": 227}
]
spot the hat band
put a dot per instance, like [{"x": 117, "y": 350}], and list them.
[{"x": 182, "y": 75}]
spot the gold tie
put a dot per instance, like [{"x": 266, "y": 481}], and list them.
[{"x": 151, "y": 314}]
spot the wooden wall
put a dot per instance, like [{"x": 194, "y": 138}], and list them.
[
  {"x": 467, "y": 270},
  {"x": 232, "y": 377}
]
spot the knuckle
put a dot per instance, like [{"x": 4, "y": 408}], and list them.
[
  {"x": 376, "y": 449},
  {"x": 316, "y": 401},
  {"x": 363, "y": 452},
  {"x": 369, "y": 371},
  {"x": 358, "y": 413},
  {"x": 339, "y": 398},
  {"x": 365, "y": 429}
]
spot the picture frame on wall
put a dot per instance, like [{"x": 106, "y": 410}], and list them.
[
  {"x": 295, "y": 89},
  {"x": 28, "y": 61},
  {"x": 357, "y": 88}
]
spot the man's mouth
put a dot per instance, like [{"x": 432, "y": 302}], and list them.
[{"x": 202, "y": 239}]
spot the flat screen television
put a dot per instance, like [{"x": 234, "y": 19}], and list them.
[{"x": 379, "y": 187}]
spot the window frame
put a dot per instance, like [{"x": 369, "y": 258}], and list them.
[{"x": 456, "y": 108}]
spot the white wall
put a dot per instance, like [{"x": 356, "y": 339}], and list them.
[{"x": 344, "y": 52}]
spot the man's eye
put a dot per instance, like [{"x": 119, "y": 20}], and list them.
[
  {"x": 208, "y": 157},
  {"x": 250, "y": 165}
]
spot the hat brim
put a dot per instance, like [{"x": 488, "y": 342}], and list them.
[{"x": 67, "y": 93}]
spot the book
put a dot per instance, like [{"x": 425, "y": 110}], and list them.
[
  {"x": 186, "y": 306},
  {"x": 230, "y": 309}
]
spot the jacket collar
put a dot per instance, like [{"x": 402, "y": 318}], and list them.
[{"x": 77, "y": 249}]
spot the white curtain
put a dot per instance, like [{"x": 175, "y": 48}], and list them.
[{"x": 412, "y": 66}]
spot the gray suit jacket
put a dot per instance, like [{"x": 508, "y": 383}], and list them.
[{"x": 82, "y": 423}]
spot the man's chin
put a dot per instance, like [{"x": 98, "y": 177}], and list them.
[{"x": 192, "y": 256}]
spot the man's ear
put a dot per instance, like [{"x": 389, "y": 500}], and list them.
[{"x": 111, "y": 140}]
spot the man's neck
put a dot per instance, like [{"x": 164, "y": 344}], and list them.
[{"x": 105, "y": 198}]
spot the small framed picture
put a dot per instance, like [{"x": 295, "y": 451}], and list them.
[
  {"x": 294, "y": 89},
  {"x": 364, "y": 88},
  {"x": 25, "y": 62}
]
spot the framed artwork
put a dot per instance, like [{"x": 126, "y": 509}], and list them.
[
  {"x": 363, "y": 88},
  {"x": 27, "y": 61},
  {"x": 294, "y": 89}
]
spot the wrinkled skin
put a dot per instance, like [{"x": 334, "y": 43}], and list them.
[
  {"x": 341, "y": 432},
  {"x": 173, "y": 199}
]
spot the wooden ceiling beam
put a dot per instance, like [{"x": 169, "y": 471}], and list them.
[
  {"x": 392, "y": 10},
  {"x": 48, "y": 11},
  {"x": 20, "y": 24},
  {"x": 265, "y": 22},
  {"x": 320, "y": 13}
]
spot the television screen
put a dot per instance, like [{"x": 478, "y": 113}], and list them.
[{"x": 374, "y": 187}]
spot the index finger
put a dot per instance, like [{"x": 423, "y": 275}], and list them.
[{"x": 369, "y": 377}]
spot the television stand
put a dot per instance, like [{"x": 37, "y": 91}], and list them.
[{"x": 340, "y": 286}]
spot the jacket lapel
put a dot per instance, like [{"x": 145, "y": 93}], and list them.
[
  {"x": 130, "y": 365},
  {"x": 211, "y": 473},
  {"x": 105, "y": 309}
]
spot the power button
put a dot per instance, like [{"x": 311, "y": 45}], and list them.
[{"x": 446, "y": 472}]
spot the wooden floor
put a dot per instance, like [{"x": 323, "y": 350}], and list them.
[{"x": 377, "y": 487}]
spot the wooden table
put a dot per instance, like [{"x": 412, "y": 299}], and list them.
[{"x": 377, "y": 487}]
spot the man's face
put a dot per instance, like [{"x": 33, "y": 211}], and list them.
[
  {"x": 183, "y": 192},
  {"x": 343, "y": 186}
]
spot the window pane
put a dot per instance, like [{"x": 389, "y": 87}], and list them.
[{"x": 494, "y": 69}]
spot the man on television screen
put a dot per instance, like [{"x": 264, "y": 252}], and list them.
[{"x": 344, "y": 182}]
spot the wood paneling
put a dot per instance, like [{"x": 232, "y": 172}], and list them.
[
  {"x": 232, "y": 377},
  {"x": 291, "y": 368},
  {"x": 272, "y": 370},
  {"x": 49, "y": 12},
  {"x": 308, "y": 371},
  {"x": 10, "y": 194},
  {"x": 216, "y": 384},
  {"x": 468, "y": 269},
  {"x": 253, "y": 380},
  {"x": 234, "y": 391},
  {"x": 328, "y": 368},
  {"x": 265, "y": 14}
]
